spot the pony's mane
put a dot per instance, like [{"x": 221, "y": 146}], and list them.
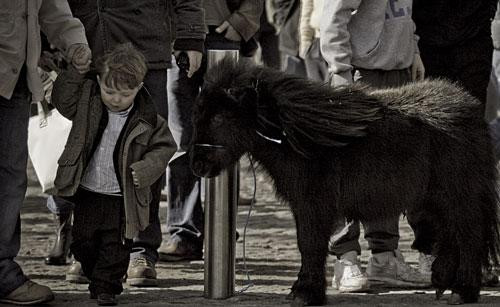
[{"x": 307, "y": 115}]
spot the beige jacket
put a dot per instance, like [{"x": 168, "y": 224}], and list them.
[{"x": 20, "y": 43}]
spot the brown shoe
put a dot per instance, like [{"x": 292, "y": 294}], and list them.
[
  {"x": 29, "y": 293},
  {"x": 177, "y": 250},
  {"x": 75, "y": 274},
  {"x": 141, "y": 273}
]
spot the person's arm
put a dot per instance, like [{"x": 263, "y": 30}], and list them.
[
  {"x": 67, "y": 91},
  {"x": 162, "y": 147},
  {"x": 246, "y": 19},
  {"x": 306, "y": 31},
  {"x": 65, "y": 32},
  {"x": 335, "y": 39},
  {"x": 190, "y": 31}
]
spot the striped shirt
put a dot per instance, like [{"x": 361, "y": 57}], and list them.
[{"x": 100, "y": 175}]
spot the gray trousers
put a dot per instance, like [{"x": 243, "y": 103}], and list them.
[
  {"x": 382, "y": 235},
  {"x": 14, "y": 116}
]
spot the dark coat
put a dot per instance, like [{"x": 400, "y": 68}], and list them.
[
  {"x": 443, "y": 23},
  {"x": 145, "y": 23},
  {"x": 145, "y": 145}
]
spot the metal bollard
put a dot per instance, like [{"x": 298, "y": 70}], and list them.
[{"x": 221, "y": 197}]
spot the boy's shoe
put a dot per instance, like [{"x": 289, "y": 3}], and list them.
[
  {"x": 75, "y": 274},
  {"x": 348, "y": 277},
  {"x": 29, "y": 293},
  {"x": 141, "y": 273},
  {"x": 106, "y": 299},
  {"x": 391, "y": 269}
]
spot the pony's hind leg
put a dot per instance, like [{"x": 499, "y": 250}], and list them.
[
  {"x": 314, "y": 227},
  {"x": 461, "y": 253}
]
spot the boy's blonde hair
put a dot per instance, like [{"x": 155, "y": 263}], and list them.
[{"x": 122, "y": 68}]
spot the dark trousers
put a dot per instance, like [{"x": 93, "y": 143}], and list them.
[
  {"x": 468, "y": 63},
  {"x": 14, "y": 115},
  {"x": 382, "y": 235},
  {"x": 98, "y": 242}
]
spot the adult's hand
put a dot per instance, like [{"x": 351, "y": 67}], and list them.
[
  {"x": 80, "y": 57},
  {"x": 231, "y": 33},
  {"x": 194, "y": 57},
  {"x": 417, "y": 68}
]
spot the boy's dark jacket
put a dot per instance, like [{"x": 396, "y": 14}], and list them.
[{"x": 145, "y": 144}]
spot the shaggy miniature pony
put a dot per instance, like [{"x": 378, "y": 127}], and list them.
[{"x": 351, "y": 152}]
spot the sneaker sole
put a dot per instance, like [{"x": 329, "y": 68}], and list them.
[
  {"x": 33, "y": 302},
  {"x": 77, "y": 279},
  {"x": 341, "y": 289},
  {"x": 142, "y": 282},
  {"x": 390, "y": 282},
  {"x": 178, "y": 258}
]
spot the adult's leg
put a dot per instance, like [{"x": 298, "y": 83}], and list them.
[
  {"x": 14, "y": 116},
  {"x": 184, "y": 211},
  {"x": 493, "y": 94},
  {"x": 148, "y": 241},
  {"x": 59, "y": 250}
]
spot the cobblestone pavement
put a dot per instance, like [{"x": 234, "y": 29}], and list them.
[{"x": 271, "y": 255}]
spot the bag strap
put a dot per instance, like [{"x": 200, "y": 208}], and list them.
[{"x": 43, "y": 111}]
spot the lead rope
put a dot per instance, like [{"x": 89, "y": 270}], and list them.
[{"x": 249, "y": 280}]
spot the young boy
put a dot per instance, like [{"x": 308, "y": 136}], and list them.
[{"x": 118, "y": 147}]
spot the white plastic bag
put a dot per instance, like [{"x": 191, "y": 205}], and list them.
[{"x": 47, "y": 135}]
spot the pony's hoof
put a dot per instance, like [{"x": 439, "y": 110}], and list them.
[
  {"x": 439, "y": 294},
  {"x": 455, "y": 299},
  {"x": 297, "y": 302}
]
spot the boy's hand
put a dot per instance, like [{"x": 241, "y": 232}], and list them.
[
  {"x": 80, "y": 57},
  {"x": 135, "y": 179}
]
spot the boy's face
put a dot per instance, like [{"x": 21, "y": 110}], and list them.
[{"x": 117, "y": 99}]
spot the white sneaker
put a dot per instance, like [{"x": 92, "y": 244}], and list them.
[
  {"x": 425, "y": 264},
  {"x": 348, "y": 277},
  {"x": 391, "y": 269}
]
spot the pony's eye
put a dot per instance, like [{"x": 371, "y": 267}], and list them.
[{"x": 217, "y": 120}]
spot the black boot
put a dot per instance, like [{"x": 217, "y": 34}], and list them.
[{"x": 60, "y": 250}]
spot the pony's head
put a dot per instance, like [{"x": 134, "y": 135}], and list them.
[
  {"x": 240, "y": 105},
  {"x": 222, "y": 117}
]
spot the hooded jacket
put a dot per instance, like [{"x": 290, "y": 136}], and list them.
[{"x": 367, "y": 34}]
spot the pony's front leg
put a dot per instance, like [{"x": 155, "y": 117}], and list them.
[{"x": 314, "y": 227}]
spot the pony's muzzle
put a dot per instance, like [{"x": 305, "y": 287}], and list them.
[{"x": 204, "y": 157}]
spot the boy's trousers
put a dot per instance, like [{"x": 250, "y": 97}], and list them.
[{"x": 98, "y": 242}]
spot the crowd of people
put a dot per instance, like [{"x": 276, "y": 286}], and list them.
[{"x": 131, "y": 124}]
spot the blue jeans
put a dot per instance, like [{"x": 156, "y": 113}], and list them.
[
  {"x": 184, "y": 211},
  {"x": 148, "y": 241},
  {"x": 14, "y": 116}
]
